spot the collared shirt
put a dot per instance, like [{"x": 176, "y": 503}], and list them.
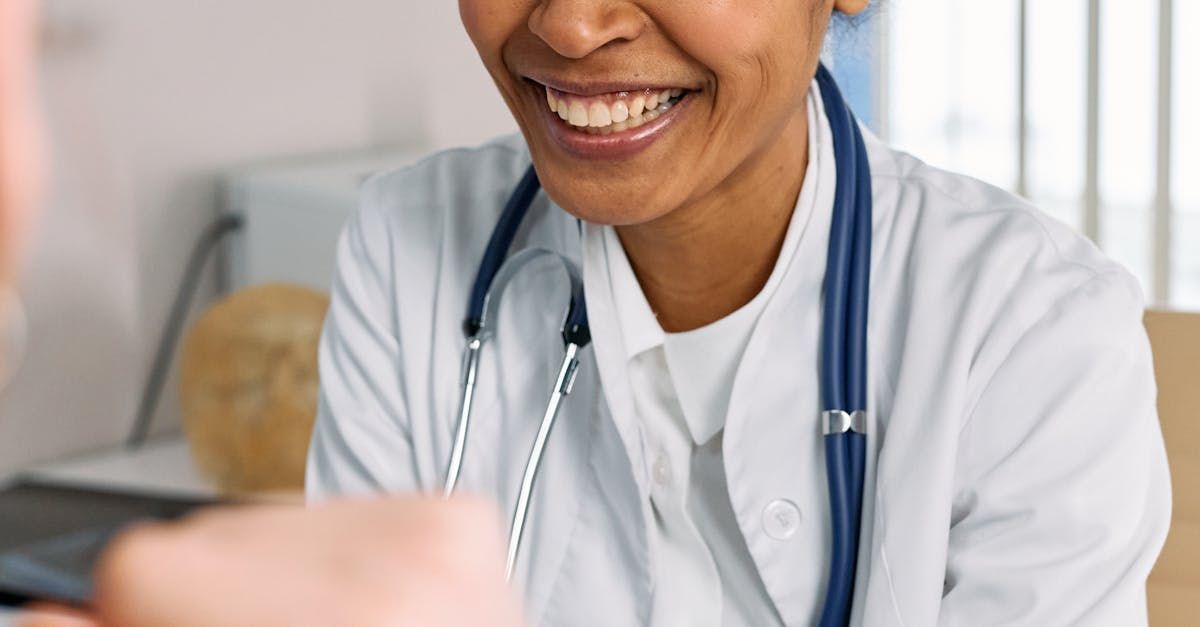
[{"x": 681, "y": 385}]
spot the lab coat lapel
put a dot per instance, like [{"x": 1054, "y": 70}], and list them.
[
  {"x": 610, "y": 357},
  {"x": 774, "y": 449},
  {"x": 605, "y": 536},
  {"x": 605, "y": 578},
  {"x": 773, "y": 456}
]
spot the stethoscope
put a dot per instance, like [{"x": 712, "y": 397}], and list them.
[{"x": 843, "y": 347}]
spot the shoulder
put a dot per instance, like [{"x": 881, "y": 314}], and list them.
[
  {"x": 988, "y": 221},
  {"x": 447, "y": 202},
  {"x": 983, "y": 232},
  {"x": 459, "y": 183},
  {"x": 991, "y": 267}
]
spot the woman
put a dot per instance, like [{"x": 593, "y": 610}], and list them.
[
  {"x": 364, "y": 563},
  {"x": 1016, "y": 472}
]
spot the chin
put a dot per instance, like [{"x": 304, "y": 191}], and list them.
[{"x": 616, "y": 206}]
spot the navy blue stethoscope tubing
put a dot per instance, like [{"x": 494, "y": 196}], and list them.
[
  {"x": 497, "y": 248},
  {"x": 575, "y": 327},
  {"x": 843, "y": 330},
  {"x": 844, "y": 346}
]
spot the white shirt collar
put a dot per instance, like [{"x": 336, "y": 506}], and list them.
[{"x": 639, "y": 327}]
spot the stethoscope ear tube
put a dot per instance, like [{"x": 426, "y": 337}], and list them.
[
  {"x": 484, "y": 327},
  {"x": 498, "y": 247},
  {"x": 562, "y": 387},
  {"x": 575, "y": 334},
  {"x": 515, "y": 265},
  {"x": 470, "y": 372}
]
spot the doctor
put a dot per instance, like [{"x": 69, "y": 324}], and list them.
[{"x": 1015, "y": 472}]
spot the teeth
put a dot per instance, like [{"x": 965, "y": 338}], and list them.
[
  {"x": 578, "y": 115},
  {"x": 637, "y": 107},
  {"x": 620, "y": 112},
  {"x": 599, "y": 115},
  {"x": 601, "y": 118}
]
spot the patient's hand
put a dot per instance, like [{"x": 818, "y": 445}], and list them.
[{"x": 398, "y": 561}]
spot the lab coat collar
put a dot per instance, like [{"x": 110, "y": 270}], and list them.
[{"x": 638, "y": 325}]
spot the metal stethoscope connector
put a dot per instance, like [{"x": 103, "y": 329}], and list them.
[{"x": 575, "y": 336}]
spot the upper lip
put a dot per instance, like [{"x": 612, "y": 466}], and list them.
[{"x": 601, "y": 87}]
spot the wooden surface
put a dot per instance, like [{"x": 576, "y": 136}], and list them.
[{"x": 1174, "y": 587}]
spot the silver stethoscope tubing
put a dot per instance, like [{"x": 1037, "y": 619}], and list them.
[
  {"x": 565, "y": 381},
  {"x": 843, "y": 348}
]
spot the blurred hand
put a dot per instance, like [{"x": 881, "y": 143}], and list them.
[
  {"x": 20, "y": 132},
  {"x": 401, "y": 561}
]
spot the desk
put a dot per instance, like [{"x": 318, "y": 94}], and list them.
[{"x": 161, "y": 467}]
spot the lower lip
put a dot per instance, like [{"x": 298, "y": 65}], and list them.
[{"x": 622, "y": 145}]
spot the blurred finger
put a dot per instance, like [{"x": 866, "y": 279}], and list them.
[{"x": 44, "y": 615}]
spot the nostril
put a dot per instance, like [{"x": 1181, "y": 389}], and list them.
[{"x": 577, "y": 28}]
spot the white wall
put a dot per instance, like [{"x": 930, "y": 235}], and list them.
[{"x": 148, "y": 100}]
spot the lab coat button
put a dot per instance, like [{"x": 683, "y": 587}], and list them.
[
  {"x": 781, "y": 519},
  {"x": 662, "y": 471}
]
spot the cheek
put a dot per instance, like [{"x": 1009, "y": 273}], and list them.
[
  {"x": 723, "y": 29},
  {"x": 492, "y": 25},
  {"x": 471, "y": 13},
  {"x": 757, "y": 50},
  {"x": 490, "y": 22},
  {"x": 473, "y": 16}
]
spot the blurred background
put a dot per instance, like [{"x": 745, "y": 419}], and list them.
[
  {"x": 153, "y": 105},
  {"x": 1078, "y": 105},
  {"x": 207, "y": 153},
  {"x": 166, "y": 114}
]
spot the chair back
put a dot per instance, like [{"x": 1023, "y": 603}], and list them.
[{"x": 1174, "y": 586}]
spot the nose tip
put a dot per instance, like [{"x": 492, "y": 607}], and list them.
[{"x": 576, "y": 28}]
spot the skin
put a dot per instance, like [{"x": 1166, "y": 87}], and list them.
[
  {"x": 20, "y": 139},
  {"x": 374, "y": 563},
  {"x": 703, "y": 239}
]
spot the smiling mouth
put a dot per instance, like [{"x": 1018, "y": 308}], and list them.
[{"x": 615, "y": 112}]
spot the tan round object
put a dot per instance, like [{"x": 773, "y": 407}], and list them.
[{"x": 248, "y": 387}]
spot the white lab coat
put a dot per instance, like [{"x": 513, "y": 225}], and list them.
[{"x": 1016, "y": 472}]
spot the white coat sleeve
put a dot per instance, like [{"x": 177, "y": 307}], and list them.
[
  {"x": 1062, "y": 498},
  {"x": 361, "y": 441}
]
